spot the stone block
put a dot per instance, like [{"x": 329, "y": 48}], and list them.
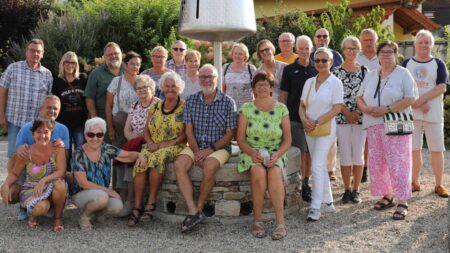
[
  {"x": 172, "y": 187},
  {"x": 267, "y": 195},
  {"x": 244, "y": 188},
  {"x": 181, "y": 207},
  {"x": 166, "y": 194},
  {"x": 267, "y": 206},
  {"x": 225, "y": 184},
  {"x": 220, "y": 189},
  {"x": 227, "y": 208},
  {"x": 229, "y": 173},
  {"x": 215, "y": 196},
  {"x": 234, "y": 195}
]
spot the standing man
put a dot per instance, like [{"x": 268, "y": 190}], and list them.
[
  {"x": 431, "y": 78},
  {"x": 292, "y": 82},
  {"x": 177, "y": 63},
  {"x": 22, "y": 88},
  {"x": 368, "y": 57},
  {"x": 286, "y": 43},
  {"x": 100, "y": 78},
  {"x": 210, "y": 118}
]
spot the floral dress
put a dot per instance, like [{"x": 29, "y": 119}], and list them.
[
  {"x": 264, "y": 130},
  {"x": 163, "y": 126}
]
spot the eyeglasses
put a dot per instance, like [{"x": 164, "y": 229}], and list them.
[
  {"x": 207, "y": 77},
  {"x": 113, "y": 54},
  {"x": 285, "y": 41},
  {"x": 352, "y": 49},
  {"x": 262, "y": 84},
  {"x": 265, "y": 50},
  {"x": 70, "y": 62},
  {"x": 323, "y": 61},
  {"x": 92, "y": 135},
  {"x": 142, "y": 88},
  {"x": 158, "y": 56},
  {"x": 178, "y": 49},
  {"x": 320, "y": 36},
  {"x": 387, "y": 52}
]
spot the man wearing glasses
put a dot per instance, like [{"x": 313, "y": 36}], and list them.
[
  {"x": 177, "y": 63},
  {"x": 286, "y": 44},
  {"x": 322, "y": 39},
  {"x": 210, "y": 118}
]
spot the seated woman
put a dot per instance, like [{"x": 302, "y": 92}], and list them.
[
  {"x": 165, "y": 138},
  {"x": 264, "y": 124},
  {"x": 91, "y": 165},
  {"x": 44, "y": 186}
]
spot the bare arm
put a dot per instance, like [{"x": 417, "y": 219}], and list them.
[
  {"x": 90, "y": 105},
  {"x": 308, "y": 123},
  {"x": 283, "y": 97},
  {"x": 3, "y": 98},
  {"x": 12, "y": 177},
  {"x": 128, "y": 130},
  {"x": 109, "y": 117},
  {"x": 435, "y": 92},
  {"x": 330, "y": 114},
  {"x": 191, "y": 138}
]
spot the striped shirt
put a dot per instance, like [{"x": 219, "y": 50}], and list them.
[
  {"x": 180, "y": 69},
  {"x": 26, "y": 90},
  {"x": 210, "y": 121}
]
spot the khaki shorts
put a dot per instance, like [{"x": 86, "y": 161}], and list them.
[
  {"x": 220, "y": 155},
  {"x": 434, "y": 133}
]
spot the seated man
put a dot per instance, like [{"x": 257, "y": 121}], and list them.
[{"x": 210, "y": 118}]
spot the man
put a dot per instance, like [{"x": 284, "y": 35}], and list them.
[
  {"x": 22, "y": 88},
  {"x": 368, "y": 57},
  {"x": 177, "y": 63},
  {"x": 292, "y": 82},
  {"x": 210, "y": 118},
  {"x": 286, "y": 43},
  {"x": 431, "y": 77},
  {"x": 100, "y": 78}
]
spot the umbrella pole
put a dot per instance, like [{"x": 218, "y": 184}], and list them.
[{"x": 218, "y": 62}]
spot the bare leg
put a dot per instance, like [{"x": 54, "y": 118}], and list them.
[
  {"x": 182, "y": 166},
  {"x": 139, "y": 187},
  {"x": 156, "y": 179},
  {"x": 346, "y": 172},
  {"x": 416, "y": 165},
  {"x": 259, "y": 186},
  {"x": 276, "y": 190},
  {"x": 357, "y": 175},
  {"x": 210, "y": 166},
  {"x": 59, "y": 197},
  {"x": 306, "y": 164},
  {"x": 437, "y": 164}
]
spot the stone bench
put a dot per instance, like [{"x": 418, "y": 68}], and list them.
[{"x": 231, "y": 195}]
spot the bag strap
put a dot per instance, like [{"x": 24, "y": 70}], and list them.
[
  {"x": 363, "y": 68},
  {"x": 118, "y": 93},
  {"x": 377, "y": 90},
  {"x": 309, "y": 91},
  {"x": 250, "y": 72},
  {"x": 83, "y": 105}
]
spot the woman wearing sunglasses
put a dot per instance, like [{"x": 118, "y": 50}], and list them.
[
  {"x": 321, "y": 101},
  {"x": 91, "y": 165},
  {"x": 266, "y": 51},
  {"x": 177, "y": 62}
]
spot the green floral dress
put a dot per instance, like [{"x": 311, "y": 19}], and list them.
[
  {"x": 264, "y": 130},
  {"x": 163, "y": 127}
]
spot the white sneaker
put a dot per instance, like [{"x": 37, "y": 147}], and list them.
[
  {"x": 127, "y": 207},
  {"x": 313, "y": 214},
  {"x": 327, "y": 208}
]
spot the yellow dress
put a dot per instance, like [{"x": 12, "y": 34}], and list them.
[{"x": 163, "y": 126}]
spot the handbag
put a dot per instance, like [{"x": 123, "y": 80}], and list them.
[
  {"x": 395, "y": 123},
  {"x": 120, "y": 118},
  {"x": 322, "y": 129}
]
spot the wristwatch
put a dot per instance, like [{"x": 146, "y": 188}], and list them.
[
  {"x": 389, "y": 109},
  {"x": 213, "y": 147},
  {"x": 316, "y": 122}
]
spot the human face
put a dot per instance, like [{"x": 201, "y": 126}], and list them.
[
  {"x": 238, "y": 55},
  {"x": 321, "y": 38},
  {"x": 322, "y": 62},
  {"x": 350, "y": 50},
  {"x": 42, "y": 135},
  {"x": 178, "y": 51},
  {"x": 34, "y": 53},
  {"x": 170, "y": 89},
  {"x": 50, "y": 109},
  {"x": 387, "y": 56},
  {"x": 70, "y": 65},
  {"x": 423, "y": 46},
  {"x": 132, "y": 66},
  {"x": 368, "y": 42},
  {"x": 285, "y": 43},
  {"x": 113, "y": 57},
  {"x": 208, "y": 81},
  {"x": 265, "y": 52},
  {"x": 303, "y": 50},
  {"x": 193, "y": 64},
  {"x": 158, "y": 59},
  {"x": 94, "y": 141},
  {"x": 262, "y": 89},
  {"x": 142, "y": 90}
]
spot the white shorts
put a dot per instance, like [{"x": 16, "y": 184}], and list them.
[
  {"x": 351, "y": 138},
  {"x": 434, "y": 133}
]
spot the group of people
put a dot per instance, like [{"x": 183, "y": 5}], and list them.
[{"x": 125, "y": 126}]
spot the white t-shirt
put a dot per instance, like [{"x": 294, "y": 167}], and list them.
[
  {"x": 397, "y": 86},
  {"x": 128, "y": 96},
  {"x": 371, "y": 64},
  {"x": 427, "y": 75},
  {"x": 330, "y": 92}
]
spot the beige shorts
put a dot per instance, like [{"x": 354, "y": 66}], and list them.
[
  {"x": 434, "y": 133},
  {"x": 220, "y": 155}
]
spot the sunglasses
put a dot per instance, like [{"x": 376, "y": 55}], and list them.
[
  {"x": 323, "y": 61},
  {"x": 322, "y": 36},
  {"x": 92, "y": 135},
  {"x": 142, "y": 87},
  {"x": 178, "y": 49},
  {"x": 265, "y": 50}
]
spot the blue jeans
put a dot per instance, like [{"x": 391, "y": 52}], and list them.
[
  {"x": 76, "y": 137},
  {"x": 13, "y": 130}
]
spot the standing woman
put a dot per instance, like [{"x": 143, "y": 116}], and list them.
[
  {"x": 237, "y": 76},
  {"x": 177, "y": 63},
  {"x": 159, "y": 58},
  {"x": 265, "y": 51},
  {"x": 389, "y": 89},
  {"x": 321, "y": 101},
  {"x": 191, "y": 84},
  {"x": 69, "y": 87},
  {"x": 350, "y": 134}
]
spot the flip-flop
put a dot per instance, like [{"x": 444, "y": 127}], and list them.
[
  {"x": 191, "y": 221},
  {"x": 85, "y": 223},
  {"x": 58, "y": 228},
  {"x": 379, "y": 206},
  {"x": 400, "y": 214},
  {"x": 279, "y": 232},
  {"x": 258, "y": 229},
  {"x": 32, "y": 223}
]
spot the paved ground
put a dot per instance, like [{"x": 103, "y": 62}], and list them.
[{"x": 354, "y": 228}]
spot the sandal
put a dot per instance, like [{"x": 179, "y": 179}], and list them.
[
  {"x": 191, "y": 221},
  {"x": 32, "y": 223},
  {"x": 401, "y": 212},
  {"x": 85, "y": 223},
  {"x": 380, "y": 205},
  {"x": 258, "y": 229},
  {"x": 279, "y": 232},
  {"x": 133, "y": 219},
  {"x": 58, "y": 226},
  {"x": 147, "y": 214}
]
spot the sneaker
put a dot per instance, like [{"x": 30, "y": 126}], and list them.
[
  {"x": 313, "y": 214},
  {"x": 22, "y": 214},
  {"x": 306, "y": 193},
  {"x": 332, "y": 175},
  {"x": 327, "y": 208},
  {"x": 347, "y": 197},
  {"x": 356, "y": 197},
  {"x": 364, "y": 175},
  {"x": 441, "y": 191}
]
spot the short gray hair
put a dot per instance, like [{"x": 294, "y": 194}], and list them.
[
  {"x": 161, "y": 49},
  {"x": 95, "y": 122},
  {"x": 50, "y": 97},
  {"x": 353, "y": 40},
  {"x": 291, "y": 36},
  {"x": 303, "y": 38},
  {"x": 207, "y": 65},
  {"x": 146, "y": 80},
  {"x": 371, "y": 31},
  {"x": 324, "y": 50},
  {"x": 425, "y": 33},
  {"x": 175, "y": 77}
]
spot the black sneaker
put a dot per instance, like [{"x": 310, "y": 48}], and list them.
[
  {"x": 306, "y": 193},
  {"x": 364, "y": 175},
  {"x": 356, "y": 197},
  {"x": 347, "y": 197}
]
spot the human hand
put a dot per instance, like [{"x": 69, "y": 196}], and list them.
[
  {"x": 418, "y": 103},
  {"x": 3, "y": 121},
  {"x": 38, "y": 188},
  {"x": 378, "y": 111},
  {"x": 201, "y": 155},
  {"x": 256, "y": 157},
  {"x": 6, "y": 195},
  {"x": 309, "y": 125},
  {"x": 112, "y": 134},
  {"x": 152, "y": 146},
  {"x": 165, "y": 144},
  {"x": 425, "y": 108},
  {"x": 23, "y": 151},
  {"x": 58, "y": 143},
  {"x": 273, "y": 159},
  {"x": 113, "y": 194},
  {"x": 141, "y": 161},
  {"x": 352, "y": 117}
]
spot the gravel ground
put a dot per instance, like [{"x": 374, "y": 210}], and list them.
[{"x": 354, "y": 228}]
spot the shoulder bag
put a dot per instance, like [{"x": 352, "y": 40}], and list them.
[{"x": 322, "y": 129}]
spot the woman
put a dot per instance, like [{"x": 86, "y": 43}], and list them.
[
  {"x": 389, "y": 89},
  {"x": 159, "y": 58},
  {"x": 190, "y": 79},
  {"x": 237, "y": 76},
  {"x": 165, "y": 138},
  {"x": 351, "y": 136},
  {"x": 321, "y": 101},
  {"x": 44, "y": 186},
  {"x": 264, "y": 124},
  {"x": 91, "y": 165},
  {"x": 69, "y": 87},
  {"x": 177, "y": 63},
  {"x": 265, "y": 51}
]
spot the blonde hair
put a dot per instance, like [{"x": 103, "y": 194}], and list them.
[
  {"x": 243, "y": 47},
  {"x": 269, "y": 44},
  {"x": 352, "y": 39},
  {"x": 191, "y": 53},
  {"x": 64, "y": 58}
]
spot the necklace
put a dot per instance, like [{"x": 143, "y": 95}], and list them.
[
  {"x": 145, "y": 106},
  {"x": 173, "y": 109}
]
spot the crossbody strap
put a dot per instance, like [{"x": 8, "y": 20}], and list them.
[
  {"x": 118, "y": 93},
  {"x": 309, "y": 91}
]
